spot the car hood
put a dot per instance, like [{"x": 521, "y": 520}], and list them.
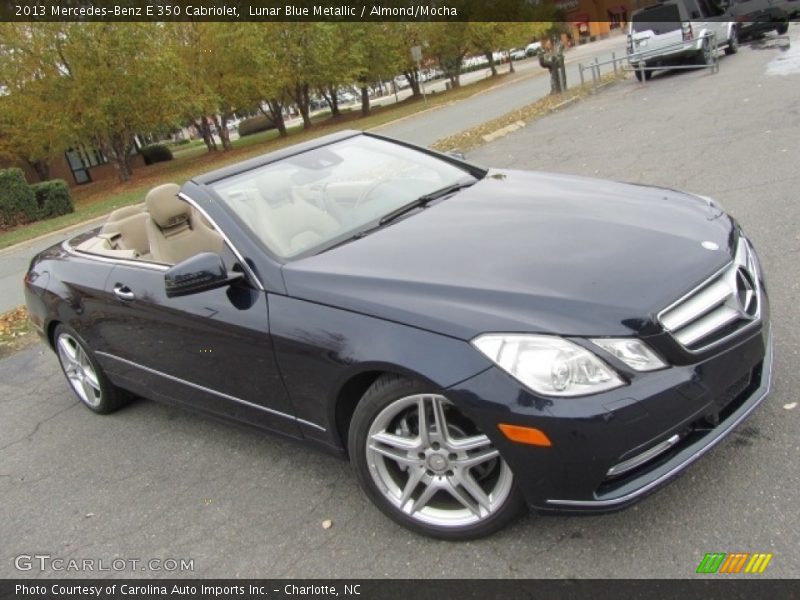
[{"x": 523, "y": 251}]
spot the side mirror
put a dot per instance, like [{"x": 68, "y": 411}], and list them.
[{"x": 198, "y": 273}]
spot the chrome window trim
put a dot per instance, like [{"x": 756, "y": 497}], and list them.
[
  {"x": 116, "y": 261},
  {"x": 209, "y": 390},
  {"x": 250, "y": 273},
  {"x": 161, "y": 266}
]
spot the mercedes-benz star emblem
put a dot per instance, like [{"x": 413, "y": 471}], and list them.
[{"x": 744, "y": 293}]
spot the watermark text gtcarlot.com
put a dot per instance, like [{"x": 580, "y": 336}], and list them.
[{"x": 48, "y": 562}]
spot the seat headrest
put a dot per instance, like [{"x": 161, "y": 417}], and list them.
[
  {"x": 275, "y": 187},
  {"x": 164, "y": 206}
]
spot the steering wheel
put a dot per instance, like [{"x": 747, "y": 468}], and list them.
[{"x": 368, "y": 194}]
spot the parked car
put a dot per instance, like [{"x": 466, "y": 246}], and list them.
[
  {"x": 676, "y": 31},
  {"x": 792, "y": 8},
  {"x": 518, "y": 54},
  {"x": 757, "y": 17},
  {"x": 473, "y": 340},
  {"x": 346, "y": 97},
  {"x": 533, "y": 48}
]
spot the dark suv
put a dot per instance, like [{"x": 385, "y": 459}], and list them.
[{"x": 756, "y": 17}]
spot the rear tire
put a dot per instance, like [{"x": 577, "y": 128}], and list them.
[
  {"x": 782, "y": 28},
  {"x": 706, "y": 54},
  {"x": 84, "y": 375},
  {"x": 427, "y": 466},
  {"x": 733, "y": 43},
  {"x": 647, "y": 75}
]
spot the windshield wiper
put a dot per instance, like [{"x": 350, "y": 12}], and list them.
[
  {"x": 423, "y": 200},
  {"x": 398, "y": 212}
]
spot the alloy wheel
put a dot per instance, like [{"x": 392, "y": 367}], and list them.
[
  {"x": 434, "y": 465},
  {"x": 79, "y": 370}
]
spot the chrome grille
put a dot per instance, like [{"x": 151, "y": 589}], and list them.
[{"x": 719, "y": 308}]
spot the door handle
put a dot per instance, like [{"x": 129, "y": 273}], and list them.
[{"x": 123, "y": 292}]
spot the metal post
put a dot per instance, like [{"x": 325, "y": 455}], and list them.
[
  {"x": 597, "y": 66},
  {"x": 614, "y": 61},
  {"x": 420, "y": 82},
  {"x": 580, "y": 72}
]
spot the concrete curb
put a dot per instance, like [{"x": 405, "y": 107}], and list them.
[{"x": 503, "y": 131}]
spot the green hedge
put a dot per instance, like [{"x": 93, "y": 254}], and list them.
[
  {"x": 255, "y": 125},
  {"x": 17, "y": 199},
  {"x": 52, "y": 198},
  {"x": 156, "y": 153}
]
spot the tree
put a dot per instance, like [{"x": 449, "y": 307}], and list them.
[
  {"x": 118, "y": 82},
  {"x": 101, "y": 83},
  {"x": 450, "y": 43},
  {"x": 266, "y": 71},
  {"x": 375, "y": 60},
  {"x": 552, "y": 58},
  {"x": 486, "y": 38},
  {"x": 342, "y": 63},
  {"x": 29, "y": 132},
  {"x": 520, "y": 34},
  {"x": 305, "y": 50}
]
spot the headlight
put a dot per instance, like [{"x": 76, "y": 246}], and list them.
[
  {"x": 548, "y": 364},
  {"x": 632, "y": 352}
]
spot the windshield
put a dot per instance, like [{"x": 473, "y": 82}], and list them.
[
  {"x": 658, "y": 19},
  {"x": 315, "y": 199}
]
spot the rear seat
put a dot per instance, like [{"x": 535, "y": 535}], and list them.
[
  {"x": 163, "y": 229},
  {"x": 125, "y": 229}
]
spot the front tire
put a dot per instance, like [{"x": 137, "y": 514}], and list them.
[
  {"x": 428, "y": 466},
  {"x": 84, "y": 374}
]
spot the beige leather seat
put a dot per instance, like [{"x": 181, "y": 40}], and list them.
[
  {"x": 126, "y": 211},
  {"x": 287, "y": 224},
  {"x": 125, "y": 230},
  {"x": 173, "y": 231},
  {"x": 132, "y": 232}
]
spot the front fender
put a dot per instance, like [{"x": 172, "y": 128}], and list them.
[{"x": 320, "y": 348}]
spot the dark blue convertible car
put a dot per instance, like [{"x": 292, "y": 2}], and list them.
[{"x": 474, "y": 341}]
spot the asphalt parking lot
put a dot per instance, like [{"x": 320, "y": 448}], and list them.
[{"x": 156, "y": 482}]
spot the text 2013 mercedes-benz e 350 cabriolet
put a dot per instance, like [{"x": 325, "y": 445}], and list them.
[{"x": 474, "y": 341}]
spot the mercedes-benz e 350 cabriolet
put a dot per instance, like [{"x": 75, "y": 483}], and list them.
[{"x": 474, "y": 341}]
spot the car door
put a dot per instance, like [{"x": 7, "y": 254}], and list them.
[{"x": 210, "y": 350}]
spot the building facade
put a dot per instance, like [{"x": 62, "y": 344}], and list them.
[{"x": 590, "y": 19}]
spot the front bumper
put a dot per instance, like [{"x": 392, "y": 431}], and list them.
[{"x": 699, "y": 403}]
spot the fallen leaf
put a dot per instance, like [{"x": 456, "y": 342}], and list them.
[
  {"x": 790, "y": 406},
  {"x": 327, "y": 524}
]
